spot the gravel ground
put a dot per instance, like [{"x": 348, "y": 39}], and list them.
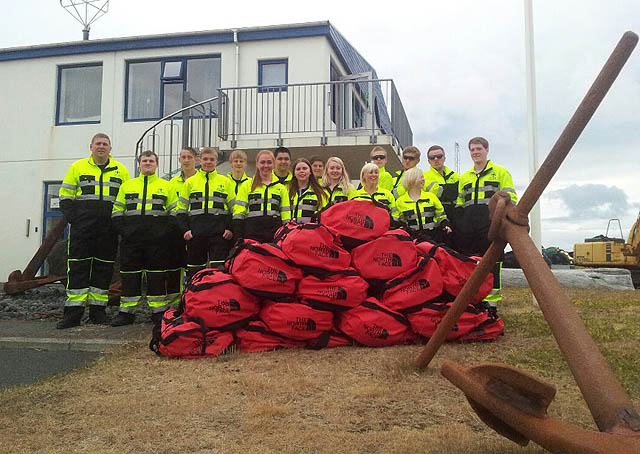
[{"x": 46, "y": 302}]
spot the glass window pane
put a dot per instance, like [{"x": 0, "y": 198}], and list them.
[
  {"x": 143, "y": 94},
  {"x": 172, "y": 98},
  {"x": 172, "y": 69},
  {"x": 80, "y": 94},
  {"x": 203, "y": 78},
  {"x": 274, "y": 74}
]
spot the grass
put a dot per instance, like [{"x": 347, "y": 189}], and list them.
[{"x": 347, "y": 400}]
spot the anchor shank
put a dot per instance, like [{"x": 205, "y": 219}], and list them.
[{"x": 602, "y": 391}]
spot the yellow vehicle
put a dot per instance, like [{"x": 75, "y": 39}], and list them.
[{"x": 602, "y": 251}]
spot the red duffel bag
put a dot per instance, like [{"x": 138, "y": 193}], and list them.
[
  {"x": 263, "y": 269},
  {"x": 386, "y": 257},
  {"x": 181, "y": 338},
  {"x": 417, "y": 286},
  {"x": 456, "y": 269},
  {"x": 338, "y": 290},
  {"x": 374, "y": 325},
  {"x": 214, "y": 297},
  {"x": 257, "y": 337},
  {"x": 283, "y": 231},
  {"x": 489, "y": 330},
  {"x": 296, "y": 320},
  {"x": 314, "y": 246},
  {"x": 330, "y": 339},
  {"x": 425, "y": 318},
  {"x": 356, "y": 221}
]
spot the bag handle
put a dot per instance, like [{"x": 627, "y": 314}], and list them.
[{"x": 395, "y": 315}]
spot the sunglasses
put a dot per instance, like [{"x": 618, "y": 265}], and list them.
[
  {"x": 378, "y": 157},
  {"x": 435, "y": 156},
  {"x": 409, "y": 158}
]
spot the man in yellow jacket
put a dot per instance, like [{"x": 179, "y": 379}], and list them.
[
  {"x": 475, "y": 189},
  {"x": 86, "y": 198}
]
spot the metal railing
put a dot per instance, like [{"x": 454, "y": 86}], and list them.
[
  {"x": 195, "y": 125},
  {"x": 325, "y": 109}
]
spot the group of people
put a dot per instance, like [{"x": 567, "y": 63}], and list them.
[{"x": 177, "y": 227}]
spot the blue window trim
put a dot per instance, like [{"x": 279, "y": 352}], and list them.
[
  {"x": 59, "y": 89},
  {"x": 273, "y": 61},
  {"x": 163, "y": 81}
]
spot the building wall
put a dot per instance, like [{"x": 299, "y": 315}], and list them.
[{"x": 34, "y": 150}]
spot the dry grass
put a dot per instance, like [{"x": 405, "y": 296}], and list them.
[{"x": 347, "y": 400}]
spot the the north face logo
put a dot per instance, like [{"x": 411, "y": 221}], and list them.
[
  {"x": 271, "y": 274},
  {"x": 415, "y": 287},
  {"x": 302, "y": 324},
  {"x": 376, "y": 331},
  {"x": 324, "y": 251},
  {"x": 388, "y": 259},
  {"x": 334, "y": 292},
  {"x": 361, "y": 220},
  {"x": 224, "y": 306}
]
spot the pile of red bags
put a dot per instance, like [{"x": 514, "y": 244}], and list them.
[{"x": 345, "y": 280}]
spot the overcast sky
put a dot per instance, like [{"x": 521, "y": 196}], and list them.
[{"x": 459, "y": 67}]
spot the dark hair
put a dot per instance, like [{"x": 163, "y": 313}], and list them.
[
  {"x": 100, "y": 135},
  {"x": 190, "y": 150},
  {"x": 433, "y": 148},
  {"x": 316, "y": 158},
  {"x": 480, "y": 140},
  {"x": 281, "y": 150},
  {"x": 294, "y": 187},
  {"x": 147, "y": 153}
]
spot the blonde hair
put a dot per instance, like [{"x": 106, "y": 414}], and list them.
[
  {"x": 205, "y": 150},
  {"x": 367, "y": 169},
  {"x": 378, "y": 148},
  {"x": 411, "y": 177},
  {"x": 257, "y": 181},
  {"x": 238, "y": 154},
  {"x": 344, "y": 182}
]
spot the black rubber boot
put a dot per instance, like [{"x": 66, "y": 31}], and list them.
[
  {"x": 98, "y": 315},
  {"x": 493, "y": 312},
  {"x": 123, "y": 318},
  {"x": 71, "y": 317}
]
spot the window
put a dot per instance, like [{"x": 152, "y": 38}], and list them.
[
  {"x": 156, "y": 88},
  {"x": 79, "y": 94},
  {"x": 273, "y": 72}
]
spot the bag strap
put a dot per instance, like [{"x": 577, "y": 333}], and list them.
[
  {"x": 207, "y": 285},
  {"x": 399, "y": 280},
  {"x": 395, "y": 315}
]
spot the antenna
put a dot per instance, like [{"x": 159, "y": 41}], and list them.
[
  {"x": 86, "y": 12},
  {"x": 457, "y": 151}
]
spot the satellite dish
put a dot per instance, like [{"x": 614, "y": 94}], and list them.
[{"x": 86, "y": 12}]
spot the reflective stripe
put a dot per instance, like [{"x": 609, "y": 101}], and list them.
[
  {"x": 172, "y": 206},
  {"x": 242, "y": 203},
  {"x": 238, "y": 216},
  {"x": 88, "y": 197},
  {"x": 162, "y": 308},
  {"x": 509, "y": 190},
  {"x": 479, "y": 202},
  {"x": 153, "y": 201},
  {"x": 432, "y": 184},
  {"x": 116, "y": 214},
  {"x": 255, "y": 214},
  {"x": 97, "y": 302},
  {"x": 111, "y": 184},
  {"x": 119, "y": 204},
  {"x": 75, "y": 303},
  {"x": 77, "y": 291},
  {"x": 66, "y": 198},
  {"x": 284, "y": 209},
  {"x": 157, "y": 298},
  {"x": 98, "y": 291},
  {"x": 181, "y": 211},
  {"x": 130, "y": 299},
  {"x": 303, "y": 219},
  {"x": 183, "y": 200},
  {"x": 71, "y": 187},
  {"x": 130, "y": 201},
  {"x": 109, "y": 198}
]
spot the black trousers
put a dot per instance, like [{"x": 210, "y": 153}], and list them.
[
  {"x": 176, "y": 265},
  {"x": 206, "y": 251}
]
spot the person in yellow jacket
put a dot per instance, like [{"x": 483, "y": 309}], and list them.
[
  {"x": 204, "y": 215},
  {"x": 410, "y": 159},
  {"x": 142, "y": 216},
  {"x": 336, "y": 182},
  {"x": 371, "y": 191},
  {"x": 237, "y": 175},
  {"x": 378, "y": 157},
  {"x": 420, "y": 211},
  {"x": 306, "y": 196},
  {"x": 86, "y": 198},
  {"x": 441, "y": 180},
  {"x": 262, "y": 205},
  {"x": 475, "y": 189},
  {"x": 177, "y": 267},
  {"x": 282, "y": 165}
]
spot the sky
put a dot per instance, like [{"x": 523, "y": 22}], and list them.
[{"x": 459, "y": 68}]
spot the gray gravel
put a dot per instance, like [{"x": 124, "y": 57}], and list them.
[{"x": 46, "y": 302}]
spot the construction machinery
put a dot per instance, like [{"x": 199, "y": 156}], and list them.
[{"x": 603, "y": 251}]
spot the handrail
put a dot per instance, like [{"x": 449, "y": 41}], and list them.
[{"x": 331, "y": 82}]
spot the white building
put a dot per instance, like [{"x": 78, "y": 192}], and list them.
[{"x": 302, "y": 86}]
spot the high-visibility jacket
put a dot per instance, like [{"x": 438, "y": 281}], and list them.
[
  {"x": 203, "y": 206},
  {"x": 88, "y": 190},
  {"x": 385, "y": 179},
  {"x": 304, "y": 206},
  {"x": 426, "y": 213},
  {"x": 175, "y": 185},
  {"x": 398, "y": 189},
  {"x": 266, "y": 203},
  {"x": 444, "y": 185},
  {"x": 143, "y": 208},
  {"x": 284, "y": 180},
  {"x": 337, "y": 194},
  {"x": 237, "y": 183},
  {"x": 381, "y": 195}
]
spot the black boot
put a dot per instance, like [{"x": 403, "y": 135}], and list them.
[
  {"x": 493, "y": 312},
  {"x": 123, "y": 318},
  {"x": 98, "y": 315},
  {"x": 156, "y": 330},
  {"x": 71, "y": 317}
]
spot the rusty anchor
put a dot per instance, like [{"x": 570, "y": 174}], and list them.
[{"x": 514, "y": 402}]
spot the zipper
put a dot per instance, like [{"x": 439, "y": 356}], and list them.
[
  {"x": 144, "y": 196},
  {"x": 100, "y": 182},
  {"x": 206, "y": 193},
  {"x": 419, "y": 214},
  {"x": 300, "y": 197},
  {"x": 265, "y": 198}
]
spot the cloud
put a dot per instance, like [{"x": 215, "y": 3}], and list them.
[{"x": 592, "y": 201}]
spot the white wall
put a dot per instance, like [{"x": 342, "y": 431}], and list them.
[{"x": 34, "y": 150}]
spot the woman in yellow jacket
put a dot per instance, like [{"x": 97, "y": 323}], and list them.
[
  {"x": 336, "y": 182},
  {"x": 262, "y": 204},
  {"x": 305, "y": 194},
  {"x": 371, "y": 191},
  {"x": 420, "y": 211}
]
